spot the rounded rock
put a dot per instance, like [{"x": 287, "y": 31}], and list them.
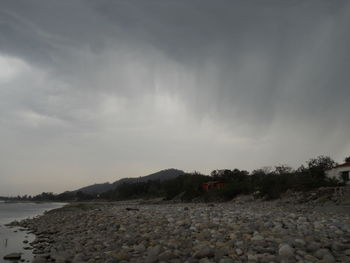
[{"x": 286, "y": 251}]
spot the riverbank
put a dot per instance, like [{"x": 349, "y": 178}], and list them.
[
  {"x": 221, "y": 232},
  {"x": 15, "y": 240}
]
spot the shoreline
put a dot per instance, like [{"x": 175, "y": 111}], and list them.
[
  {"x": 15, "y": 240},
  {"x": 29, "y": 202},
  {"x": 190, "y": 232}
]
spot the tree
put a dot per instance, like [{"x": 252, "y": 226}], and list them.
[
  {"x": 318, "y": 166},
  {"x": 214, "y": 173},
  {"x": 283, "y": 169},
  {"x": 347, "y": 159},
  {"x": 321, "y": 162}
]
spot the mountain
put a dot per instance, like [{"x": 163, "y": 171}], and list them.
[
  {"x": 104, "y": 187},
  {"x": 96, "y": 188}
]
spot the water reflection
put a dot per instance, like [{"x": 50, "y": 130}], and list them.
[{"x": 12, "y": 242}]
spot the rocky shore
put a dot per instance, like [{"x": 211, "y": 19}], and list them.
[{"x": 176, "y": 233}]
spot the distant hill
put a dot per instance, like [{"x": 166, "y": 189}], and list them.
[
  {"x": 104, "y": 187},
  {"x": 96, "y": 188}
]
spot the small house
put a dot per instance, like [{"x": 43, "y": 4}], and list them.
[
  {"x": 340, "y": 172},
  {"x": 213, "y": 185}
]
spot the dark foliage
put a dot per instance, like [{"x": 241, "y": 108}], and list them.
[
  {"x": 271, "y": 183},
  {"x": 186, "y": 186},
  {"x": 268, "y": 183}
]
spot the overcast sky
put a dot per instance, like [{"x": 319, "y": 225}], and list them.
[{"x": 93, "y": 91}]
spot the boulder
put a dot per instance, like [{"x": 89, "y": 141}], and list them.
[{"x": 13, "y": 256}]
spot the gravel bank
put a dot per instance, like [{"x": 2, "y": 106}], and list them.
[{"x": 224, "y": 233}]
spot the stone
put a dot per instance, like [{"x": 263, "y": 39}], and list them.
[
  {"x": 299, "y": 242},
  {"x": 226, "y": 260},
  {"x": 257, "y": 238},
  {"x": 121, "y": 256},
  {"x": 312, "y": 246},
  {"x": 154, "y": 251},
  {"x": 140, "y": 248},
  {"x": 151, "y": 259},
  {"x": 310, "y": 258},
  {"x": 252, "y": 258},
  {"x": 321, "y": 253},
  {"x": 13, "y": 256},
  {"x": 286, "y": 251},
  {"x": 204, "y": 252},
  {"x": 328, "y": 259},
  {"x": 166, "y": 256}
]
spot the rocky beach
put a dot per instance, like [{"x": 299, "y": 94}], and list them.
[
  {"x": 193, "y": 232},
  {"x": 14, "y": 241}
]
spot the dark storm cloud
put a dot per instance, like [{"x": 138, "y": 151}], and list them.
[
  {"x": 266, "y": 71},
  {"x": 251, "y": 46}
]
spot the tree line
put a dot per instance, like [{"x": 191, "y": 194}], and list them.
[{"x": 268, "y": 183}]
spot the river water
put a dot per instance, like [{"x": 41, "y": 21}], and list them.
[{"x": 11, "y": 239}]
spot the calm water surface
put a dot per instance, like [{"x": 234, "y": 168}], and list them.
[{"x": 11, "y": 239}]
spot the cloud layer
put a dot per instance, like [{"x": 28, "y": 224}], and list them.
[{"x": 92, "y": 91}]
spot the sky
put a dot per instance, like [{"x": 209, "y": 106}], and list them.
[{"x": 93, "y": 91}]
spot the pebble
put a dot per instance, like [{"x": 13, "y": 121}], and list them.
[
  {"x": 192, "y": 233},
  {"x": 286, "y": 251}
]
